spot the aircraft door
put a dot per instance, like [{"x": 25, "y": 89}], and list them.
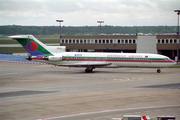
[{"x": 149, "y": 59}]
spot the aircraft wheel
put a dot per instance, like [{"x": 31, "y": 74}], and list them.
[
  {"x": 91, "y": 70},
  {"x": 87, "y": 71},
  {"x": 158, "y": 71}
]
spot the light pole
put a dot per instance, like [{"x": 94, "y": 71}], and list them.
[
  {"x": 178, "y": 13},
  {"x": 100, "y": 25},
  {"x": 60, "y": 27}
]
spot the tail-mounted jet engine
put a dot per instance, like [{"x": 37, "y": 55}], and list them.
[{"x": 53, "y": 58}]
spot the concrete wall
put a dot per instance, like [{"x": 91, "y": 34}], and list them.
[{"x": 146, "y": 44}]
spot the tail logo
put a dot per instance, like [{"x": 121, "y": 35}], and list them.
[{"x": 32, "y": 46}]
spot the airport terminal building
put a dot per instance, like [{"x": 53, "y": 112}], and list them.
[{"x": 168, "y": 45}]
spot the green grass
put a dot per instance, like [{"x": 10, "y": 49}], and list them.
[
  {"x": 9, "y": 41},
  {"x": 49, "y": 40},
  {"x": 3, "y": 36},
  {"x": 174, "y": 67},
  {"x": 13, "y": 49},
  {"x": 49, "y": 37}
]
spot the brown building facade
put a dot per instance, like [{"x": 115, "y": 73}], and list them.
[{"x": 162, "y": 44}]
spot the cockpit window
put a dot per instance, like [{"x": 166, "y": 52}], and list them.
[{"x": 167, "y": 59}]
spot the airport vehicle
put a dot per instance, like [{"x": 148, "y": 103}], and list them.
[{"x": 57, "y": 55}]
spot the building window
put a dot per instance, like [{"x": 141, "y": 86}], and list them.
[
  {"x": 122, "y": 41},
  {"x": 66, "y": 41},
  {"x": 119, "y": 41},
  {"x": 134, "y": 41},
  {"x": 107, "y": 41},
  {"x": 167, "y": 41},
  {"x": 111, "y": 41},
  {"x": 162, "y": 40},
  {"x": 81, "y": 41},
  {"x": 96, "y": 41},
  {"x": 103, "y": 41},
  {"x": 170, "y": 40},
  {"x": 159, "y": 41},
  {"x": 130, "y": 41},
  {"x": 175, "y": 41},
  {"x": 74, "y": 41},
  {"x": 70, "y": 41},
  {"x": 115, "y": 41},
  {"x": 77, "y": 41},
  {"x": 92, "y": 41},
  {"x": 88, "y": 41},
  {"x": 62, "y": 41},
  {"x": 84, "y": 41},
  {"x": 126, "y": 41}
]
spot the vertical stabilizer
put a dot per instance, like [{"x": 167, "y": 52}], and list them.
[{"x": 32, "y": 45}]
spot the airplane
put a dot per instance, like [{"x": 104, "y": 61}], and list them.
[{"x": 57, "y": 55}]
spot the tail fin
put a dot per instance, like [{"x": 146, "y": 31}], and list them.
[{"x": 33, "y": 45}]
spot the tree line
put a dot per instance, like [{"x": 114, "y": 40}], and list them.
[{"x": 84, "y": 30}]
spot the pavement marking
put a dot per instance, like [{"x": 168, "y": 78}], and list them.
[
  {"x": 139, "y": 79},
  {"x": 103, "y": 111}
]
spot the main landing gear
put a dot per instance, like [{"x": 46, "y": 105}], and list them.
[
  {"x": 89, "y": 69},
  {"x": 158, "y": 70}
]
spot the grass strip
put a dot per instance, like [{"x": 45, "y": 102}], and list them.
[{"x": 13, "y": 49}]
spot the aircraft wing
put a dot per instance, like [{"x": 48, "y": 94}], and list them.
[{"x": 86, "y": 64}]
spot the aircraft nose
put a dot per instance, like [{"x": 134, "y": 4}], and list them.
[{"x": 174, "y": 62}]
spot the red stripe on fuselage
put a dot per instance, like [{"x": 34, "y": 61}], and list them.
[{"x": 37, "y": 58}]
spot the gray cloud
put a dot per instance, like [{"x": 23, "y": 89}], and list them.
[{"x": 87, "y": 12}]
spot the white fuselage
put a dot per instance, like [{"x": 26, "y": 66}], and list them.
[{"x": 114, "y": 59}]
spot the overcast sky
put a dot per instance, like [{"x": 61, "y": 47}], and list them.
[{"x": 88, "y": 12}]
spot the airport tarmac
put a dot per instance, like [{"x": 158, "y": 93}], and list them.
[{"x": 30, "y": 92}]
